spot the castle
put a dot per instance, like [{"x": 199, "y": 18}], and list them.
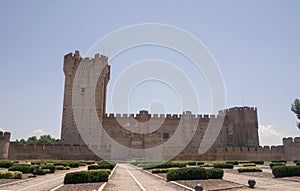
[{"x": 238, "y": 137}]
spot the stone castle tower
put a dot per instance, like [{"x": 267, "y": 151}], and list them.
[
  {"x": 4, "y": 144},
  {"x": 69, "y": 133},
  {"x": 240, "y": 127}
]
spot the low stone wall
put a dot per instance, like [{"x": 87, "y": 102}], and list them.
[{"x": 290, "y": 150}]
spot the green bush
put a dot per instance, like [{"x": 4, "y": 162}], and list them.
[
  {"x": 82, "y": 163},
  {"x": 59, "y": 167},
  {"x": 191, "y": 163},
  {"x": 187, "y": 174},
  {"x": 234, "y": 162},
  {"x": 257, "y": 161},
  {"x": 60, "y": 163},
  {"x": 223, "y": 165},
  {"x": 162, "y": 170},
  {"x": 50, "y": 167},
  {"x": 38, "y": 171},
  {"x": 243, "y": 161},
  {"x": 295, "y": 161},
  {"x": 214, "y": 173},
  {"x": 102, "y": 165},
  {"x": 10, "y": 175},
  {"x": 278, "y": 161},
  {"x": 298, "y": 163},
  {"x": 285, "y": 171},
  {"x": 164, "y": 165},
  {"x": 6, "y": 164},
  {"x": 249, "y": 164},
  {"x": 37, "y": 162},
  {"x": 276, "y": 164},
  {"x": 89, "y": 162},
  {"x": 22, "y": 168},
  {"x": 194, "y": 174},
  {"x": 73, "y": 164},
  {"x": 200, "y": 163},
  {"x": 250, "y": 169},
  {"x": 86, "y": 176}
]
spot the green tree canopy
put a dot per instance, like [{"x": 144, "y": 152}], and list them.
[
  {"x": 296, "y": 109},
  {"x": 43, "y": 140}
]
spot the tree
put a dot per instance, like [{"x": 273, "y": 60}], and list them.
[
  {"x": 296, "y": 109},
  {"x": 43, "y": 140}
]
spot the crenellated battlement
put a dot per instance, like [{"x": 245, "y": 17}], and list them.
[
  {"x": 161, "y": 116},
  {"x": 5, "y": 136},
  {"x": 290, "y": 140},
  {"x": 72, "y": 61},
  {"x": 234, "y": 109}
]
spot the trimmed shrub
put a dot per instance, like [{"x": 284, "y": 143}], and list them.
[
  {"x": 298, "y": 163},
  {"x": 50, "y": 167},
  {"x": 82, "y": 163},
  {"x": 250, "y": 169},
  {"x": 59, "y": 168},
  {"x": 243, "y": 161},
  {"x": 191, "y": 163},
  {"x": 278, "y": 161},
  {"x": 187, "y": 174},
  {"x": 257, "y": 161},
  {"x": 295, "y": 161},
  {"x": 86, "y": 176},
  {"x": 10, "y": 175},
  {"x": 22, "y": 168},
  {"x": 6, "y": 164},
  {"x": 164, "y": 165},
  {"x": 277, "y": 164},
  {"x": 89, "y": 162},
  {"x": 223, "y": 165},
  {"x": 194, "y": 174},
  {"x": 162, "y": 170},
  {"x": 102, "y": 165},
  {"x": 73, "y": 164},
  {"x": 234, "y": 162},
  {"x": 38, "y": 171},
  {"x": 200, "y": 163},
  {"x": 60, "y": 163},
  {"x": 249, "y": 164},
  {"x": 286, "y": 171},
  {"x": 36, "y": 162},
  {"x": 214, "y": 173}
]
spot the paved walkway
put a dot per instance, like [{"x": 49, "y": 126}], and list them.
[{"x": 127, "y": 177}]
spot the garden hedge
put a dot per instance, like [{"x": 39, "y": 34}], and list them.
[
  {"x": 87, "y": 176},
  {"x": 164, "y": 165},
  {"x": 10, "y": 175},
  {"x": 234, "y": 162},
  {"x": 273, "y": 164},
  {"x": 6, "y": 164},
  {"x": 194, "y": 174},
  {"x": 22, "y": 168},
  {"x": 278, "y": 161},
  {"x": 50, "y": 167},
  {"x": 250, "y": 169},
  {"x": 257, "y": 161},
  {"x": 285, "y": 171},
  {"x": 223, "y": 165},
  {"x": 162, "y": 170},
  {"x": 249, "y": 164}
]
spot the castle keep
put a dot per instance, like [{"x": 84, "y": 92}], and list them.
[
  {"x": 238, "y": 137},
  {"x": 240, "y": 128}
]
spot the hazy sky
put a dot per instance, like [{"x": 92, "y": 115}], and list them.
[{"x": 255, "y": 43}]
